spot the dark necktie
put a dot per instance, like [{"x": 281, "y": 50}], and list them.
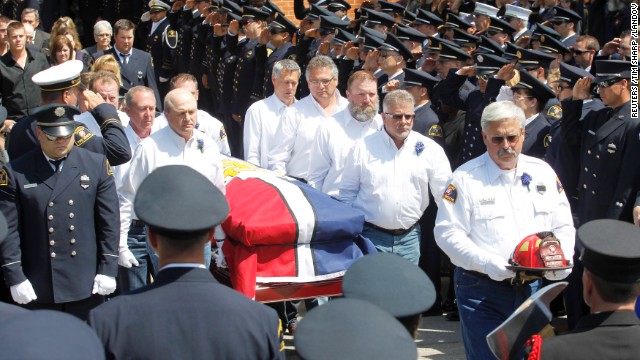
[
  {"x": 57, "y": 163},
  {"x": 125, "y": 58}
]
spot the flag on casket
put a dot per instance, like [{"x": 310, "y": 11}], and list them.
[{"x": 282, "y": 230}]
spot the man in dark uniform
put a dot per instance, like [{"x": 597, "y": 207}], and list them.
[
  {"x": 136, "y": 66},
  {"x": 181, "y": 207},
  {"x": 537, "y": 64},
  {"x": 565, "y": 22},
  {"x": 611, "y": 279},
  {"x": 66, "y": 258},
  {"x": 59, "y": 85}
]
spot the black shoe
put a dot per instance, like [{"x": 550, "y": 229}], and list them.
[
  {"x": 450, "y": 310},
  {"x": 292, "y": 326}
]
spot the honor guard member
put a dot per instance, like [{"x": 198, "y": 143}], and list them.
[
  {"x": 500, "y": 31},
  {"x": 67, "y": 258},
  {"x": 61, "y": 85},
  {"x": 565, "y": 22},
  {"x": 450, "y": 59},
  {"x": 392, "y": 59},
  {"x": 420, "y": 85},
  {"x": 307, "y": 43},
  {"x": 607, "y": 142},
  {"x": 339, "y": 8},
  {"x": 537, "y": 64},
  {"x": 181, "y": 208},
  {"x": 518, "y": 17},
  {"x": 160, "y": 40},
  {"x": 480, "y": 222},
  {"x": 611, "y": 254},
  {"x": 379, "y": 21},
  {"x": 427, "y": 23},
  {"x": 452, "y": 21},
  {"x": 530, "y": 95},
  {"x": 281, "y": 31},
  {"x": 482, "y": 17},
  {"x": 136, "y": 66},
  {"x": 538, "y": 31},
  {"x": 413, "y": 40}
]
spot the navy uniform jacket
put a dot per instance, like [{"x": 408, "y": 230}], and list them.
[
  {"x": 186, "y": 314},
  {"x": 244, "y": 77},
  {"x": 608, "y": 143},
  {"x": 606, "y": 335},
  {"x": 157, "y": 44},
  {"x": 536, "y": 138},
  {"x": 64, "y": 227},
  {"x": 263, "y": 87},
  {"x": 137, "y": 71},
  {"x": 113, "y": 143},
  {"x": 426, "y": 122}
]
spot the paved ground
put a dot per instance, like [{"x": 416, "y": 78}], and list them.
[{"x": 438, "y": 339}]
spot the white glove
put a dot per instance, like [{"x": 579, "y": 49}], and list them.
[
  {"x": 497, "y": 270},
  {"x": 126, "y": 258},
  {"x": 104, "y": 285},
  {"x": 557, "y": 275},
  {"x": 23, "y": 293},
  {"x": 220, "y": 261}
]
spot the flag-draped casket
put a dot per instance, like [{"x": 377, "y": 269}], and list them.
[{"x": 281, "y": 230}]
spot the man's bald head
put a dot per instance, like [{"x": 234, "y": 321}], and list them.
[{"x": 181, "y": 110}]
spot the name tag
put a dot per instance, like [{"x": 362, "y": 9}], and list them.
[
  {"x": 29, "y": 186},
  {"x": 488, "y": 201}
]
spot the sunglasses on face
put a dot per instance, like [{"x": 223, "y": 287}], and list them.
[
  {"x": 608, "y": 83},
  {"x": 563, "y": 87},
  {"x": 398, "y": 117},
  {"x": 54, "y": 138},
  {"x": 484, "y": 77},
  {"x": 580, "y": 52},
  {"x": 246, "y": 22},
  {"x": 499, "y": 140},
  {"x": 274, "y": 31}
]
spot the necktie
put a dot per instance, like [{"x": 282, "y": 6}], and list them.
[
  {"x": 57, "y": 163},
  {"x": 125, "y": 58}
]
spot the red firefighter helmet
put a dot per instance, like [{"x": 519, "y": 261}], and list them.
[{"x": 539, "y": 253}]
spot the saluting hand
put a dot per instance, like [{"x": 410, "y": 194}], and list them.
[
  {"x": 264, "y": 37},
  {"x": 90, "y": 99},
  {"x": 234, "y": 27},
  {"x": 218, "y": 30},
  {"x": 582, "y": 88},
  {"x": 324, "y": 48},
  {"x": 506, "y": 72},
  {"x": 351, "y": 51},
  {"x": 636, "y": 215},
  {"x": 466, "y": 71}
]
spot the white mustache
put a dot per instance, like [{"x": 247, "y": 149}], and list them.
[{"x": 509, "y": 151}]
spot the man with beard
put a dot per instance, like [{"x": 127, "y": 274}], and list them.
[
  {"x": 388, "y": 176},
  {"x": 335, "y": 138},
  {"x": 491, "y": 202}
]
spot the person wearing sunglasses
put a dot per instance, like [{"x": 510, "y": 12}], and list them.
[
  {"x": 393, "y": 58},
  {"x": 607, "y": 144},
  {"x": 565, "y": 22},
  {"x": 388, "y": 176},
  {"x": 74, "y": 192},
  {"x": 585, "y": 50},
  {"x": 281, "y": 31},
  {"x": 489, "y": 204}
]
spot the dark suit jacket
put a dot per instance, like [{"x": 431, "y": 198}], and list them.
[
  {"x": 41, "y": 39},
  {"x": 186, "y": 314},
  {"x": 608, "y": 335},
  {"x": 137, "y": 71},
  {"x": 536, "y": 138},
  {"x": 61, "y": 233}
]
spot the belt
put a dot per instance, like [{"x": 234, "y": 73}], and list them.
[
  {"x": 510, "y": 282},
  {"x": 137, "y": 223},
  {"x": 395, "y": 232}
]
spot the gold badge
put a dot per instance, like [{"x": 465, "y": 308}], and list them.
[
  {"x": 4, "y": 178},
  {"x": 59, "y": 111},
  {"x": 542, "y": 38},
  {"x": 249, "y": 53},
  {"x": 518, "y": 54},
  {"x": 435, "y": 130},
  {"x": 109, "y": 171}
]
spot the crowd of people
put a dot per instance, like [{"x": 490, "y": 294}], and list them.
[{"x": 456, "y": 128}]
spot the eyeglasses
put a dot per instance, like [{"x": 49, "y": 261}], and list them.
[
  {"x": 484, "y": 77},
  {"x": 398, "y": 117},
  {"x": 274, "y": 31},
  {"x": 245, "y": 22},
  {"x": 579, "y": 52},
  {"x": 563, "y": 87},
  {"x": 608, "y": 83},
  {"x": 325, "y": 82},
  {"x": 386, "y": 55},
  {"x": 493, "y": 32},
  {"x": 54, "y": 138},
  {"x": 498, "y": 140},
  {"x": 520, "y": 97},
  {"x": 558, "y": 22}
]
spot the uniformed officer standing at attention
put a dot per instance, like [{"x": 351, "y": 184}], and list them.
[
  {"x": 181, "y": 207},
  {"x": 611, "y": 279},
  {"x": 62, "y": 209}
]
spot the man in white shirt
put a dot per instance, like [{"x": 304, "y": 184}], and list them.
[
  {"x": 297, "y": 129},
  {"x": 177, "y": 144},
  {"x": 336, "y": 137},
  {"x": 136, "y": 260},
  {"x": 205, "y": 122},
  {"x": 262, "y": 118},
  {"x": 491, "y": 203},
  {"x": 388, "y": 176}
]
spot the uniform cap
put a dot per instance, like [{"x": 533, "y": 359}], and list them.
[
  {"x": 281, "y": 22},
  {"x": 178, "y": 201},
  {"x": 272, "y": 8},
  {"x": 336, "y": 5},
  {"x": 390, "y": 7},
  {"x": 56, "y": 119},
  {"x": 414, "y": 77},
  {"x": 571, "y": 74},
  {"x": 544, "y": 30},
  {"x": 332, "y": 22},
  {"x": 408, "y": 17},
  {"x": 352, "y": 329},
  {"x": 231, "y": 7},
  {"x": 371, "y": 43},
  {"x": 316, "y": 11},
  {"x": 500, "y": 26},
  {"x": 392, "y": 43},
  {"x": 488, "y": 63},
  {"x": 530, "y": 58},
  {"x": 435, "y": 44},
  {"x": 513, "y": 11},
  {"x": 427, "y": 17},
  {"x": 59, "y": 77},
  {"x": 407, "y": 33},
  {"x": 391, "y": 282},
  {"x": 379, "y": 18},
  {"x": 551, "y": 45},
  {"x": 249, "y": 12},
  {"x": 158, "y": 5},
  {"x": 342, "y": 37},
  {"x": 565, "y": 15},
  {"x": 484, "y": 9},
  {"x": 511, "y": 51},
  {"x": 612, "y": 69},
  {"x": 611, "y": 250},
  {"x": 449, "y": 52},
  {"x": 461, "y": 37},
  {"x": 488, "y": 46},
  {"x": 540, "y": 90},
  {"x": 455, "y": 21}
]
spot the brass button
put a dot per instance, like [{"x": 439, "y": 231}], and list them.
[
  {"x": 72, "y": 241},
  {"x": 51, "y": 243},
  {"x": 73, "y": 253},
  {"x": 51, "y": 204},
  {"x": 50, "y": 230},
  {"x": 71, "y": 215},
  {"x": 50, "y": 217},
  {"x": 53, "y": 254},
  {"x": 71, "y": 228},
  {"x": 589, "y": 152},
  {"x": 70, "y": 202},
  {"x": 584, "y": 186}
]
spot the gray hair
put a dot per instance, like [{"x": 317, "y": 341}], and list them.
[
  {"x": 102, "y": 24},
  {"x": 321, "y": 61},
  {"x": 502, "y": 111},
  {"x": 27, "y": 11},
  {"x": 128, "y": 97},
  {"x": 397, "y": 97},
  {"x": 285, "y": 65}
]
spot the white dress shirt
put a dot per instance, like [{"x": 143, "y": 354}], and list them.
[
  {"x": 391, "y": 185},
  {"x": 260, "y": 125},
  {"x": 206, "y": 124},
  {"x": 487, "y": 211},
  {"x": 120, "y": 170},
  {"x": 162, "y": 148},
  {"x": 334, "y": 141},
  {"x": 296, "y": 133}
]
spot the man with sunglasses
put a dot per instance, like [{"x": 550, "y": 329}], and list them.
[
  {"x": 608, "y": 144},
  {"x": 490, "y": 204},
  {"x": 584, "y": 51},
  {"x": 565, "y": 22},
  {"x": 62, "y": 208}
]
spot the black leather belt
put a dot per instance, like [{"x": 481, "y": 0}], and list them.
[
  {"x": 137, "y": 223},
  {"x": 510, "y": 282},
  {"x": 394, "y": 232}
]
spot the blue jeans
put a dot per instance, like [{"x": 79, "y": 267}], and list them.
[
  {"x": 407, "y": 245},
  {"x": 138, "y": 276},
  {"x": 484, "y": 304}
]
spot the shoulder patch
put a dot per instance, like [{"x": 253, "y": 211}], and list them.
[
  {"x": 547, "y": 140},
  {"x": 435, "y": 130},
  {"x": 4, "y": 177},
  {"x": 109, "y": 171},
  {"x": 81, "y": 135},
  {"x": 451, "y": 194},
  {"x": 223, "y": 134},
  {"x": 559, "y": 185},
  {"x": 555, "y": 112}
]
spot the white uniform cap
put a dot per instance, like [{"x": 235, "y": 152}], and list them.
[
  {"x": 59, "y": 77},
  {"x": 517, "y": 12},
  {"x": 484, "y": 9}
]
